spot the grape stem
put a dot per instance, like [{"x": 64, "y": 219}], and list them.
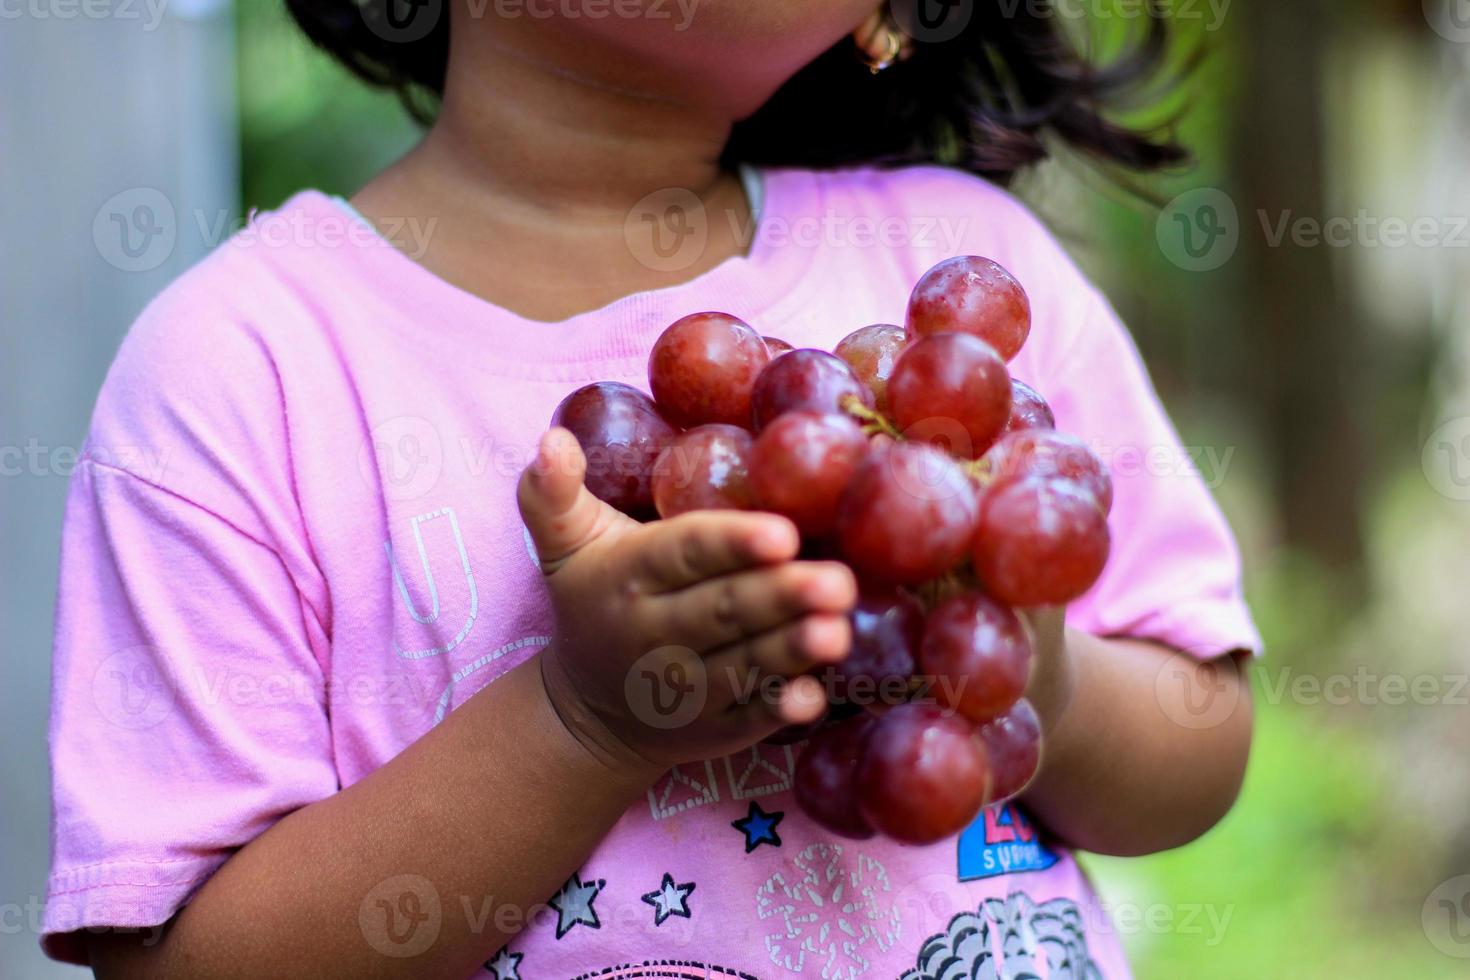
[
  {"x": 952, "y": 583},
  {"x": 873, "y": 421},
  {"x": 980, "y": 472}
]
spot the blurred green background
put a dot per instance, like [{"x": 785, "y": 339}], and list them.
[{"x": 1321, "y": 374}]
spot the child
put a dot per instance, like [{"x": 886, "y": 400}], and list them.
[{"x": 340, "y": 691}]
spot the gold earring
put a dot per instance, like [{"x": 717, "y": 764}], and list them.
[{"x": 880, "y": 43}]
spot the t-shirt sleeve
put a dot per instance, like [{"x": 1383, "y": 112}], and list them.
[
  {"x": 189, "y": 705},
  {"x": 1174, "y": 573}
]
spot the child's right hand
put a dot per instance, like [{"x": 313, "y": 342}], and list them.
[{"x": 678, "y": 640}]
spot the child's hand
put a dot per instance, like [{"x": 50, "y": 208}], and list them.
[{"x": 682, "y": 639}]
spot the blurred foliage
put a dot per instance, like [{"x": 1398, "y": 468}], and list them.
[
  {"x": 304, "y": 121},
  {"x": 1299, "y": 880},
  {"x": 1350, "y": 815}
]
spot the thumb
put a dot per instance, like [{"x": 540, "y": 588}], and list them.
[{"x": 559, "y": 511}]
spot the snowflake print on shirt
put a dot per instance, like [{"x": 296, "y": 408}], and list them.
[{"x": 833, "y": 912}]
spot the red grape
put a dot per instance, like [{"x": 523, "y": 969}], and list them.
[
  {"x": 825, "y": 780},
  {"x": 706, "y": 468},
  {"x": 1028, "y": 409},
  {"x": 923, "y": 774},
  {"x": 1013, "y": 743},
  {"x": 969, "y": 294},
  {"x": 872, "y": 352},
  {"x": 907, "y": 516},
  {"x": 621, "y": 434},
  {"x": 886, "y": 629},
  {"x": 800, "y": 464},
  {"x": 812, "y": 380},
  {"x": 1040, "y": 541},
  {"x": 925, "y": 721},
  {"x": 703, "y": 367},
  {"x": 1040, "y": 452},
  {"x": 978, "y": 654},
  {"x": 951, "y": 388}
]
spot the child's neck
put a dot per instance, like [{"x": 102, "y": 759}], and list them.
[{"x": 532, "y": 172}]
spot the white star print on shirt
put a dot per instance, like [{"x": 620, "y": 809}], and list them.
[
  {"x": 573, "y": 904},
  {"x": 506, "y": 965},
  {"x": 669, "y": 899}
]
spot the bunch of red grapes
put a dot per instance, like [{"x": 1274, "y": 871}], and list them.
[{"x": 912, "y": 455}]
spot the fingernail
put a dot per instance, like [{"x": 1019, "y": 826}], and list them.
[
  {"x": 542, "y": 463},
  {"x": 831, "y": 586},
  {"x": 822, "y": 638},
  {"x": 775, "y": 538},
  {"x": 799, "y": 692}
]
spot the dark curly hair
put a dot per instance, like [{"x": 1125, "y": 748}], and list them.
[{"x": 989, "y": 97}]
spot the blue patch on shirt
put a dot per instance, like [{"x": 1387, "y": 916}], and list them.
[{"x": 1002, "y": 841}]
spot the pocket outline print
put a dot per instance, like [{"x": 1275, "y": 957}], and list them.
[{"x": 432, "y": 586}]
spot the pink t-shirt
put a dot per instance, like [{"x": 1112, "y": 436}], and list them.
[{"x": 292, "y": 546}]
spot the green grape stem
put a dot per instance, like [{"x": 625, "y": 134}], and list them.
[
  {"x": 874, "y": 422},
  {"x": 980, "y": 471}
]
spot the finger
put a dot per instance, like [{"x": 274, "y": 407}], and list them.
[
  {"x": 693, "y": 547},
  {"x": 724, "y": 610},
  {"x": 799, "y": 701},
  {"x": 558, "y": 510},
  {"x": 739, "y": 670}
]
